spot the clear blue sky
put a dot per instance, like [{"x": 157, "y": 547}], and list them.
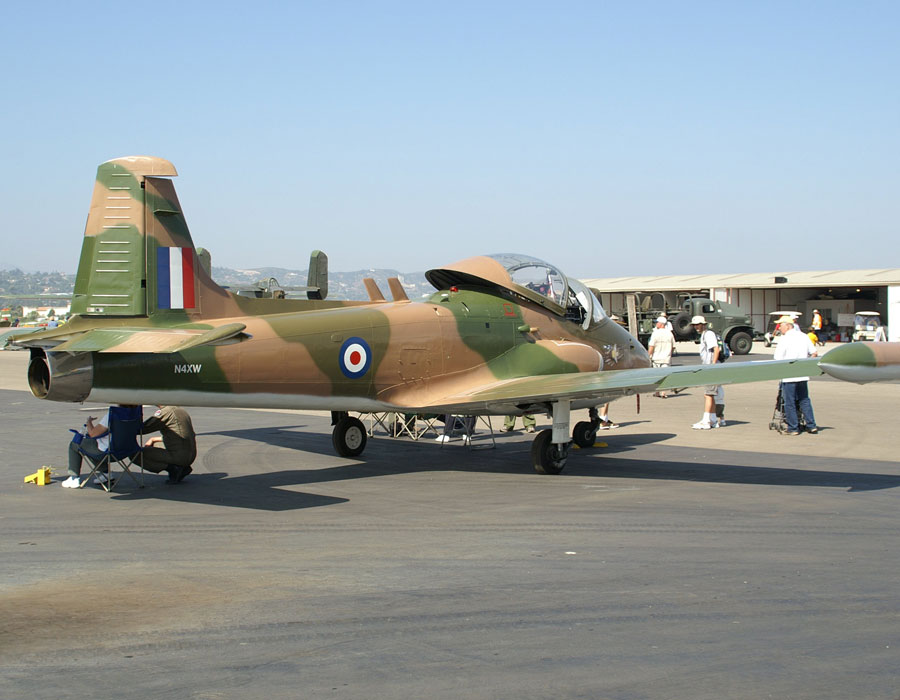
[{"x": 608, "y": 138}]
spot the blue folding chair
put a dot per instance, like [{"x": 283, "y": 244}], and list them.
[{"x": 125, "y": 446}]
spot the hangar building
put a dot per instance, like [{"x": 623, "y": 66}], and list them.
[{"x": 835, "y": 293}]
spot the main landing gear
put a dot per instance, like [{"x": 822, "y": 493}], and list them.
[
  {"x": 585, "y": 432},
  {"x": 549, "y": 451},
  {"x": 349, "y": 436}
]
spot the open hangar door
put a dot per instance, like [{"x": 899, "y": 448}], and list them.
[{"x": 835, "y": 304}]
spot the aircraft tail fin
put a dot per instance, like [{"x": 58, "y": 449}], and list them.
[
  {"x": 317, "y": 279},
  {"x": 137, "y": 257}
]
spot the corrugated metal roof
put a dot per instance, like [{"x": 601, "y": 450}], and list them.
[{"x": 751, "y": 280}]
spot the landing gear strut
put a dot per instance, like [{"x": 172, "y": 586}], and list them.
[
  {"x": 547, "y": 457},
  {"x": 550, "y": 448},
  {"x": 349, "y": 437}
]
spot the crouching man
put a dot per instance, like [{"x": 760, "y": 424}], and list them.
[{"x": 179, "y": 443}]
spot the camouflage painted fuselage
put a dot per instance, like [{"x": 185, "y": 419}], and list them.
[{"x": 412, "y": 355}]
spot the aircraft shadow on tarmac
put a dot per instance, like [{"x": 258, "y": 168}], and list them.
[{"x": 271, "y": 491}]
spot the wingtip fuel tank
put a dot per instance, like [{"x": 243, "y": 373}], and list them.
[{"x": 863, "y": 362}]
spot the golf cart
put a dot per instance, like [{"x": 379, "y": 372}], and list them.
[{"x": 865, "y": 323}]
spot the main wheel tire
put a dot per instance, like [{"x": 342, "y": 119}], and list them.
[
  {"x": 546, "y": 457},
  {"x": 584, "y": 434},
  {"x": 681, "y": 324},
  {"x": 740, "y": 343},
  {"x": 349, "y": 437}
]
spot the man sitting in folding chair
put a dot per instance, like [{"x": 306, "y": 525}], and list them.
[{"x": 115, "y": 437}]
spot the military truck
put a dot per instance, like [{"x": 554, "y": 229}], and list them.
[{"x": 727, "y": 320}]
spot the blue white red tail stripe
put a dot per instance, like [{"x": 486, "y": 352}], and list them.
[{"x": 175, "y": 278}]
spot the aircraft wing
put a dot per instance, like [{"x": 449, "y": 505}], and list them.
[
  {"x": 134, "y": 340},
  {"x": 607, "y": 385}
]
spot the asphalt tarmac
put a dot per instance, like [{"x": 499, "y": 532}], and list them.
[{"x": 733, "y": 563}]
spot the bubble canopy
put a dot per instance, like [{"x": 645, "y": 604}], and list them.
[
  {"x": 535, "y": 274},
  {"x": 528, "y": 277}
]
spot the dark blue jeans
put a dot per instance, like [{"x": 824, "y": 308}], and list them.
[{"x": 794, "y": 394}]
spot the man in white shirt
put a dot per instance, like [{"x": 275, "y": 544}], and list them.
[
  {"x": 709, "y": 355},
  {"x": 660, "y": 346},
  {"x": 795, "y": 345},
  {"x": 94, "y": 444}
]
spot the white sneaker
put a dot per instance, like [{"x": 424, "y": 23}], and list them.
[
  {"x": 466, "y": 439},
  {"x": 101, "y": 479},
  {"x": 722, "y": 423},
  {"x": 442, "y": 438},
  {"x": 73, "y": 482},
  {"x": 702, "y": 425}
]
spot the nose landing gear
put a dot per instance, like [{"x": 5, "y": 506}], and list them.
[
  {"x": 550, "y": 448},
  {"x": 546, "y": 456}
]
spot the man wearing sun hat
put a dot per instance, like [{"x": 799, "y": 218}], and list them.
[
  {"x": 795, "y": 345},
  {"x": 660, "y": 346},
  {"x": 709, "y": 355}
]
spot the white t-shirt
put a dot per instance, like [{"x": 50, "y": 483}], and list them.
[
  {"x": 103, "y": 440},
  {"x": 708, "y": 345},
  {"x": 794, "y": 345},
  {"x": 663, "y": 343}
]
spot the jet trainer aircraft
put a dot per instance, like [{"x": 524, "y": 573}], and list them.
[{"x": 502, "y": 334}]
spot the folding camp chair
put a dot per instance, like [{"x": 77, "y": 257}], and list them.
[
  {"x": 425, "y": 425},
  {"x": 380, "y": 419},
  {"x": 125, "y": 440},
  {"x": 486, "y": 421}
]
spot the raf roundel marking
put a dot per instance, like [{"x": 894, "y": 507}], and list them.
[{"x": 355, "y": 358}]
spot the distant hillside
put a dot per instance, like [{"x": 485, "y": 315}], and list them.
[
  {"x": 341, "y": 285},
  {"x": 16, "y": 282}
]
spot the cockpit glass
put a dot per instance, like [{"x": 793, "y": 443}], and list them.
[
  {"x": 580, "y": 297},
  {"x": 536, "y": 275}
]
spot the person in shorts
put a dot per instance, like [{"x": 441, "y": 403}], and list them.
[{"x": 709, "y": 355}]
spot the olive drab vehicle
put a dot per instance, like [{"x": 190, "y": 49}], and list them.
[
  {"x": 502, "y": 334},
  {"x": 728, "y": 321}
]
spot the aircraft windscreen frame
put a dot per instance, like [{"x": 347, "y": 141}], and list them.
[
  {"x": 535, "y": 274},
  {"x": 548, "y": 281}
]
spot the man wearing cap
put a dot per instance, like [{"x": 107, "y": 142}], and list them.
[
  {"x": 709, "y": 355},
  {"x": 660, "y": 347},
  {"x": 795, "y": 345}
]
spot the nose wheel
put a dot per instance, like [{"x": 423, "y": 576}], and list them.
[{"x": 547, "y": 456}]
